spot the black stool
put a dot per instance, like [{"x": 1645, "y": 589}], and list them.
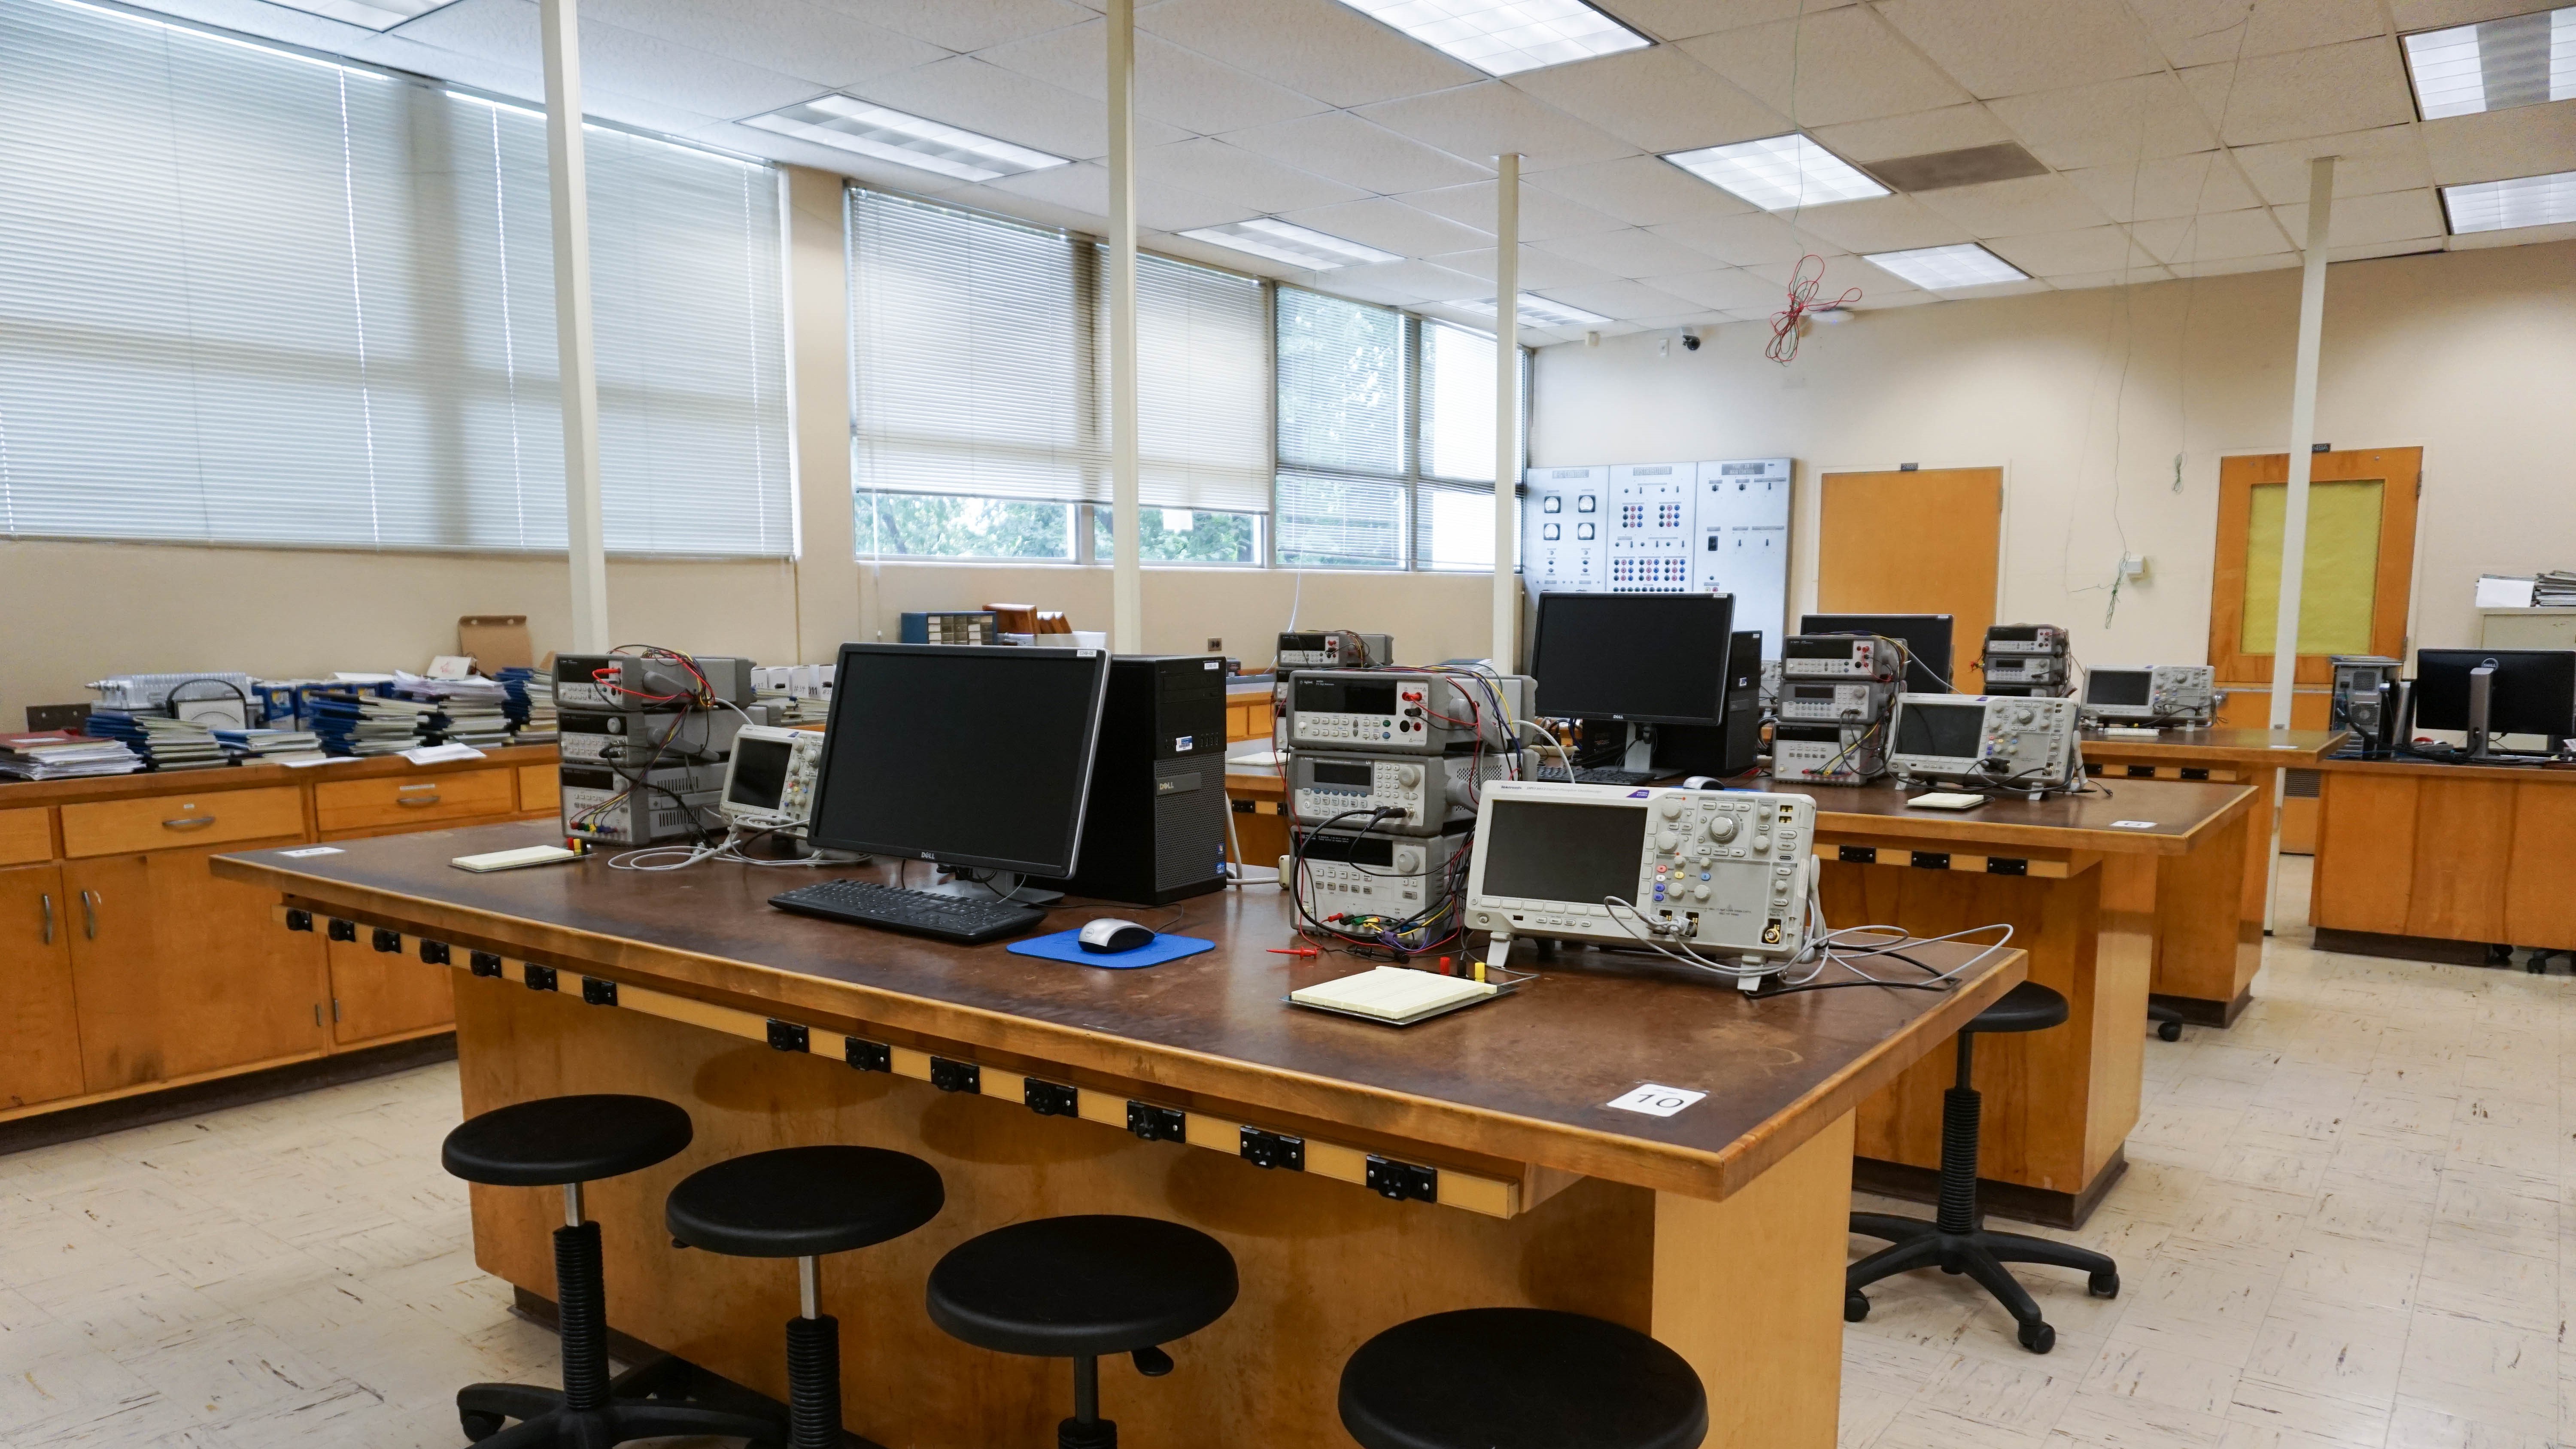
[
  {"x": 801, "y": 1203},
  {"x": 1520, "y": 1378},
  {"x": 1956, "y": 1241},
  {"x": 565, "y": 1142},
  {"x": 1080, "y": 1287},
  {"x": 2168, "y": 1022}
]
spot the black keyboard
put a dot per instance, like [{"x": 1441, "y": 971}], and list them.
[
  {"x": 961, "y": 919},
  {"x": 1597, "y": 775}
]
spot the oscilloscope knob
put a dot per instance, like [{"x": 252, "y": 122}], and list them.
[
  {"x": 1722, "y": 829},
  {"x": 1672, "y": 807}
]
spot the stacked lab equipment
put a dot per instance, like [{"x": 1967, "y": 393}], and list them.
[
  {"x": 644, "y": 740},
  {"x": 1837, "y": 692},
  {"x": 2028, "y": 661}
]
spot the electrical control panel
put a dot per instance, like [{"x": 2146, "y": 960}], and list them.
[
  {"x": 2016, "y": 743},
  {"x": 1741, "y": 534},
  {"x": 1389, "y": 711},
  {"x": 1650, "y": 527},
  {"x": 2158, "y": 693},
  {"x": 1835, "y": 701},
  {"x": 1823, "y": 754},
  {"x": 2026, "y": 639},
  {"x": 2032, "y": 669},
  {"x": 1841, "y": 656},
  {"x": 639, "y": 807},
  {"x": 1372, "y": 873},
  {"x": 1565, "y": 547},
  {"x": 630, "y": 738},
  {"x": 1722, "y": 872},
  {"x": 1426, "y": 793}
]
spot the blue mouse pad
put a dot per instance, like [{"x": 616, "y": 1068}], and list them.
[{"x": 1067, "y": 946}]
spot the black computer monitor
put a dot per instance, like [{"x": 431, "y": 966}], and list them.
[
  {"x": 1642, "y": 658},
  {"x": 966, "y": 755},
  {"x": 2532, "y": 692},
  {"x": 1926, "y": 638}
]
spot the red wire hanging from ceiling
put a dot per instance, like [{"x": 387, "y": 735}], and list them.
[{"x": 1802, "y": 300}]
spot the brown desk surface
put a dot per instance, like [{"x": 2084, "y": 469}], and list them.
[
  {"x": 2287, "y": 749},
  {"x": 2436, "y": 770},
  {"x": 1525, "y": 1078}
]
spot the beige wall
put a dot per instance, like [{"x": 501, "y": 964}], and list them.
[{"x": 2470, "y": 355}]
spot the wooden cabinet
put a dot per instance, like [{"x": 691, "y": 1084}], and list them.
[
  {"x": 179, "y": 974},
  {"x": 39, "y": 1032},
  {"x": 380, "y": 994},
  {"x": 158, "y": 822},
  {"x": 393, "y": 802},
  {"x": 540, "y": 790},
  {"x": 26, "y": 835}
]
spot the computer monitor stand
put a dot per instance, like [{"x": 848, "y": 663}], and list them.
[
  {"x": 999, "y": 884},
  {"x": 1641, "y": 749},
  {"x": 2481, "y": 694}
]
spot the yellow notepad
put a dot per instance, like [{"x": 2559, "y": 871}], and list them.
[{"x": 1391, "y": 993}]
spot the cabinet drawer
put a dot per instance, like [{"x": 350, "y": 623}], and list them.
[
  {"x": 540, "y": 788},
  {"x": 113, "y": 827},
  {"x": 25, "y": 835},
  {"x": 396, "y": 800}
]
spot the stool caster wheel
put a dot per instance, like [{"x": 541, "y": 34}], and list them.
[
  {"x": 2169, "y": 1031},
  {"x": 478, "y": 1425},
  {"x": 2103, "y": 1285},
  {"x": 1855, "y": 1307},
  {"x": 2038, "y": 1337}
]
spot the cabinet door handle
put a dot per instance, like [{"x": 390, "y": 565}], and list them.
[
  {"x": 407, "y": 800},
  {"x": 188, "y": 822},
  {"x": 89, "y": 914},
  {"x": 48, "y": 900}
]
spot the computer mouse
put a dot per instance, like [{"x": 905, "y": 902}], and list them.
[{"x": 1112, "y": 934}]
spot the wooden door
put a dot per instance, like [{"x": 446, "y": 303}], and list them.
[
  {"x": 39, "y": 1029},
  {"x": 2356, "y": 579},
  {"x": 1927, "y": 542},
  {"x": 377, "y": 994},
  {"x": 179, "y": 973}
]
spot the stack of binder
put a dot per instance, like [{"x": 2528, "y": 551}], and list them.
[
  {"x": 163, "y": 742},
  {"x": 271, "y": 746},
  {"x": 530, "y": 705},
  {"x": 368, "y": 724}
]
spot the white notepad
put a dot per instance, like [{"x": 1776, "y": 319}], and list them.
[
  {"x": 1391, "y": 993},
  {"x": 515, "y": 859}
]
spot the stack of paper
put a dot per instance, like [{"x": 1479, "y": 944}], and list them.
[
  {"x": 1391, "y": 993},
  {"x": 271, "y": 746},
  {"x": 62, "y": 755},
  {"x": 2554, "y": 589},
  {"x": 367, "y": 724},
  {"x": 163, "y": 742}
]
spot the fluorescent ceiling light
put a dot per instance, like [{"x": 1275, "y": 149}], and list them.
[
  {"x": 1505, "y": 37},
  {"x": 1296, "y": 245},
  {"x": 1944, "y": 269},
  {"x": 2521, "y": 60},
  {"x": 1538, "y": 312},
  {"x": 2504, "y": 205},
  {"x": 373, "y": 14},
  {"x": 855, "y": 125},
  {"x": 1779, "y": 173}
]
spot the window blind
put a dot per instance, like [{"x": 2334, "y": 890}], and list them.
[
  {"x": 1341, "y": 431},
  {"x": 1202, "y": 386},
  {"x": 253, "y": 296}
]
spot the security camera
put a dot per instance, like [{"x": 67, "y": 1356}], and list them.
[{"x": 1690, "y": 342}]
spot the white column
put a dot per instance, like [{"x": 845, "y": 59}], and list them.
[
  {"x": 1126, "y": 579},
  {"x": 2294, "y": 513},
  {"x": 1507, "y": 405},
  {"x": 567, "y": 181}
]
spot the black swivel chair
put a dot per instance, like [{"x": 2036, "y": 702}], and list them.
[
  {"x": 1079, "y": 1288},
  {"x": 566, "y": 1142},
  {"x": 801, "y": 1203},
  {"x": 1520, "y": 1378},
  {"x": 1956, "y": 1241}
]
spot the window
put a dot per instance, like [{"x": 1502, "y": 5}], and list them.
[
  {"x": 979, "y": 377},
  {"x": 1183, "y": 536},
  {"x": 275, "y": 299},
  {"x": 1454, "y": 524}
]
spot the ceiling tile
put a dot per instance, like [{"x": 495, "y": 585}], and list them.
[
  {"x": 1544, "y": 216},
  {"x": 1391, "y": 226},
  {"x": 1347, "y": 149},
  {"x": 2135, "y": 277},
  {"x": 1324, "y": 49},
  {"x": 1422, "y": 280},
  {"x": 1951, "y": 128},
  {"x": 1748, "y": 240},
  {"x": 1251, "y": 180},
  {"x": 2268, "y": 262},
  {"x": 1084, "y": 187},
  {"x": 1539, "y": 271},
  {"x": 793, "y": 37},
  {"x": 1476, "y": 122},
  {"x": 1840, "y": 276},
  {"x": 965, "y": 24},
  {"x": 2492, "y": 145},
  {"x": 2007, "y": 47},
  {"x": 1844, "y": 66},
  {"x": 1731, "y": 288},
  {"x": 2174, "y": 186},
  {"x": 2019, "y": 207},
  {"x": 2220, "y": 236},
  {"x": 2366, "y": 220},
  {"x": 964, "y": 91},
  {"x": 2349, "y": 87},
  {"x": 2202, "y": 32},
  {"x": 2108, "y": 123},
  {"x": 614, "y": 58},
  {"x": 502, "y": 29},
  {"x": 1639, "y": 190},
  {"x": 2070, "y": 253},
  {"x": 1172, "y": 84},
  {"x": 2434, "y": 14},
  {"x": 1682, "y": 19},
  {"x": 1883, "y": 224},
  {"x": 1620, "y": 300},
  {"x": 1658, "y": 99},
  {"x": 1879, "y": 299},
  {"x": 2374, "y": 251},
  {"x": 1035, "y": 210},
  {"x": 1191, "y": 249},
  {"x": 1629, "y": 252},
  {"x": 2390, "y": 158}
]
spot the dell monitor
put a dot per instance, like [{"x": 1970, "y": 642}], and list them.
[
  {"x": 2528, "y": 692},
  {"x": 1638, "y": 658},
  {"x": 969, "y": 756},
  {"x": 1926, "y": 638}
]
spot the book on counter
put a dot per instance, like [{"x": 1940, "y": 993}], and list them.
[
  {"x": 63, "y": 755},
  {"x": 270, "y": 746},
  {"x": 163, "y": 742}
]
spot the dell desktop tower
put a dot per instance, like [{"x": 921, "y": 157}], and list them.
[
  {"x": 1153, "y": 830},
  {"x": 1735, "y": 747}
]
